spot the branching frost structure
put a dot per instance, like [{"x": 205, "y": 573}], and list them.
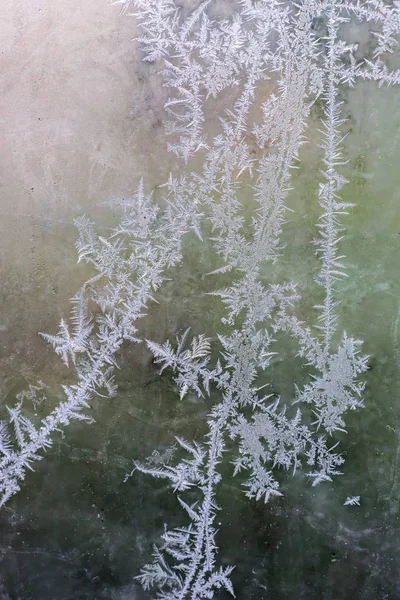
[
  {"x": 260, "y": 40},
  {"x": 276, "y": 60},
  {"x": 131, "y": 265}
]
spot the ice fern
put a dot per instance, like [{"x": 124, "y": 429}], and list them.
[
  {"x": 273, "y": 60},
  {"x": 131, "y": 264}
]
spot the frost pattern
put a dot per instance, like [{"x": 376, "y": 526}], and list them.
[
  {"x": 131, "y": 265},
  {"x": 276, "y": 60},
  {"x": 352, "y": 501},
  {"x": 260, "y": 41}
]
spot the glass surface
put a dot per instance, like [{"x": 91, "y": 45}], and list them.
[{"x": 239, "y": 162}]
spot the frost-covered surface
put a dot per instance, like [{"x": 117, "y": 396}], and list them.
[
  {"x": 276, "y": 60},
  {"x": 131, "y": 265}
]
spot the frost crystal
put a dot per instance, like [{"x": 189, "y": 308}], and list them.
[{"x": 352, "y": 501}]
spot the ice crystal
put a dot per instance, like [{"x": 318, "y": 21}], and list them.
[{"x": 352, "y": 501}]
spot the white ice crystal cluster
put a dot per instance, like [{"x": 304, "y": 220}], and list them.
[{"x": 260, "y": 65}]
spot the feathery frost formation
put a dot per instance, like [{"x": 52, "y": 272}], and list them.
[
  {"x": 259, "y": 42},
  {"x": 131, "y": 265},
  {"x": 275, "y": 59}
]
